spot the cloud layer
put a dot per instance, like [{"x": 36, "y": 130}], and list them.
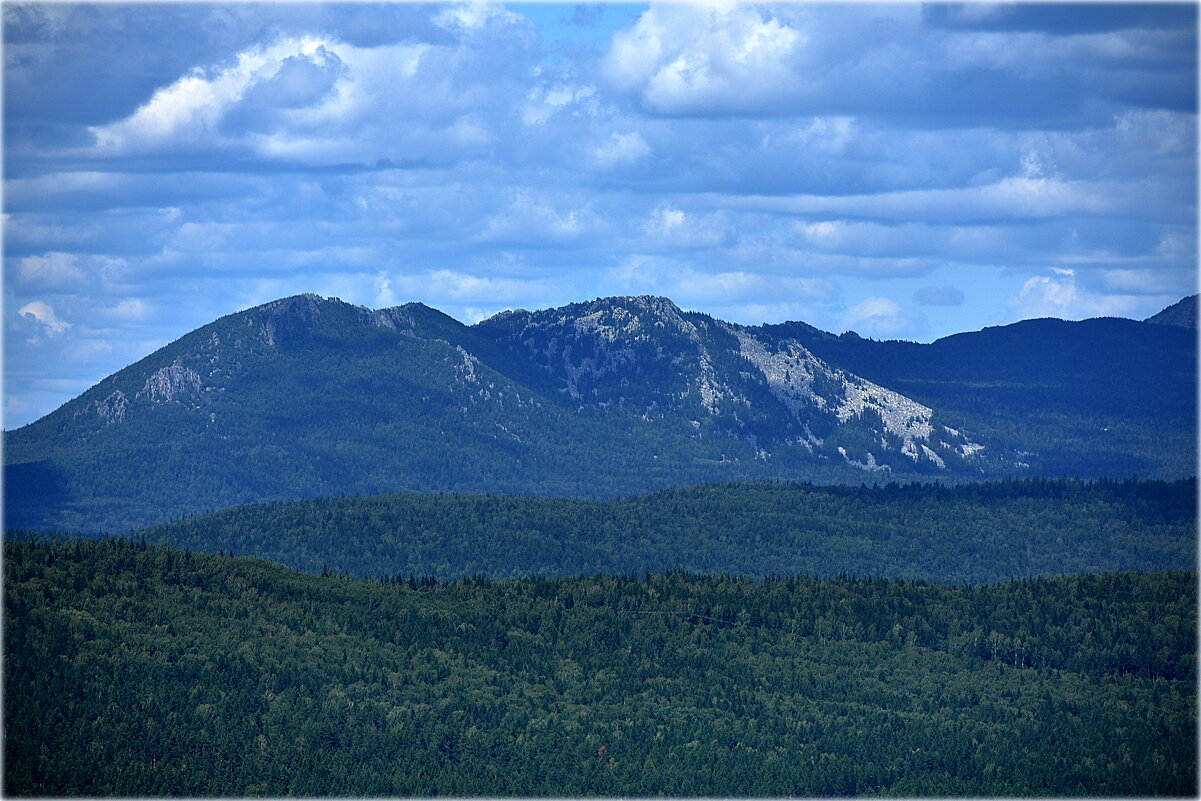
[{"x": 907, "y": 171}]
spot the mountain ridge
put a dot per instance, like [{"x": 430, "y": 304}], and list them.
[{"x": 307, "y": 396}]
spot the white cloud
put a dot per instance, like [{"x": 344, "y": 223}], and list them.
[
  {"x": 1008, "y": 198},
  {"x": 1061, "y": 295},
  {"x": 311, "y": 100},
  {"x": 1162, "y": 133},
  {"x": 760, "y": 313},
  {"x": 529, "y": 218},
  {"x": 462, "y": 287},
  {"x": 670, "y": 227},
  {"x": 682, "y": 59},
  {"x": 620, "y": 149},
  {"x": 1047, "y": 296},
  {"x": 473, "y": 16},
  {"x": 884, "y": 318},
  {"x": 543, "y": 102},
  {"x": 686, "y": 284},
  {"x": 1149, "y": 282},
  {"x": 43, "y": 313},
  {"x": 129, "y": 310},
  {"x": 188, "y": 111},
  {"x": 51, "y": 271},
  {"x": 87, "y": 350}
]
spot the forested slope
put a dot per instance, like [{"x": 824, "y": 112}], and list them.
[
  {"x": 148, "y": 671},
  {"x": 969, "y": 533}
]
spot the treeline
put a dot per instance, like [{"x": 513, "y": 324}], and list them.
[
  {"x": 139, "y": 670},
  {"x": 971, "y": 533}
]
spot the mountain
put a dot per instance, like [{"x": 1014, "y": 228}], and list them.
[
  {"x": 1105, "y": 396},
  {"x": 307, "y": 397},
  {"x": 1182, "y": 313},
  {"x": 645, "y": 356}
]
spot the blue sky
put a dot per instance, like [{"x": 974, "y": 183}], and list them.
[{"x": 904, "y": 171}]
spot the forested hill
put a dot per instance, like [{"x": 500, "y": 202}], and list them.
[
  {"x": 970, "y": 533},
  {"x": 148, "y": 671}
]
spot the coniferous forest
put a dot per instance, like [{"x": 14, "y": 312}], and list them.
[
  {"x": 973, "y": 533},
  {"x": 140, "y": 670}
]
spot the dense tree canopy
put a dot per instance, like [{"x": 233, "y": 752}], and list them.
[
  {"x": 969, "y": 533},
  {"x": 144, "y": 670}
]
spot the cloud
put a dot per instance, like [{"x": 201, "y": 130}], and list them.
[
  {"x": 685, "y": 284},
  {"x": 41, "y": 312},
  {"x": 129, "y": 309},
  {"x": 938, "y": 296},
  {"x": 884, "y": 318},
  {"x": 673, "y": 228},
  {"x": 690, "y": 59},
  {"x": 51, "y": 271},
  {"x": 320, "y": 100},
  {"x": 843, "y": 59},
  {"x": 530, "y": 219},
  {"x": 1061, "y": 295},
  {"x": 1015, "y": 197},
  {"x": 1149, "y": 282},
  {"x": 620, "y": 149}
]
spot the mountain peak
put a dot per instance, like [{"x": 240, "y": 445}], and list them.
[{"x": 1182, "y": 313}]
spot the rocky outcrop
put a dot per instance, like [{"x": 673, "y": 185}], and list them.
[
  {"x": 173, "y": 383},
  {"x": 110, "y": 410}
]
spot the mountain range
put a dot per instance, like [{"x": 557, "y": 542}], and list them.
[{"x": 309, "y": 396}]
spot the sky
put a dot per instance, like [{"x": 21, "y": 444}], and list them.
[{"x": 903, "y": 171}]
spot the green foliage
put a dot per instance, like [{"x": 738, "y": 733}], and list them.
[
  {"x": 147, "y": 671},
  {"x": 970, "y": 533}
]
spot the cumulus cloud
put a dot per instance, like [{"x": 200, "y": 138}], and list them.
[
  {"x": 704, "y": 60},
  {"x": 320, "y": 100},
  {"x": 41, "y": 312},
  {"x": 682, "y": 59},
  {"x": 620, "y": 149},
  {"x": 883, "y": 318},
  {"x": 1060, "y": 294},
  {"x": 670, "y": 227}
]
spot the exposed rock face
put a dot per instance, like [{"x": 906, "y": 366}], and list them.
[
  {"x": 806, "y": 386},
  {"x": 111, "y": 410},
  {"x": 171, "y": 383},
  {"x": 287, "y": 315}
]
